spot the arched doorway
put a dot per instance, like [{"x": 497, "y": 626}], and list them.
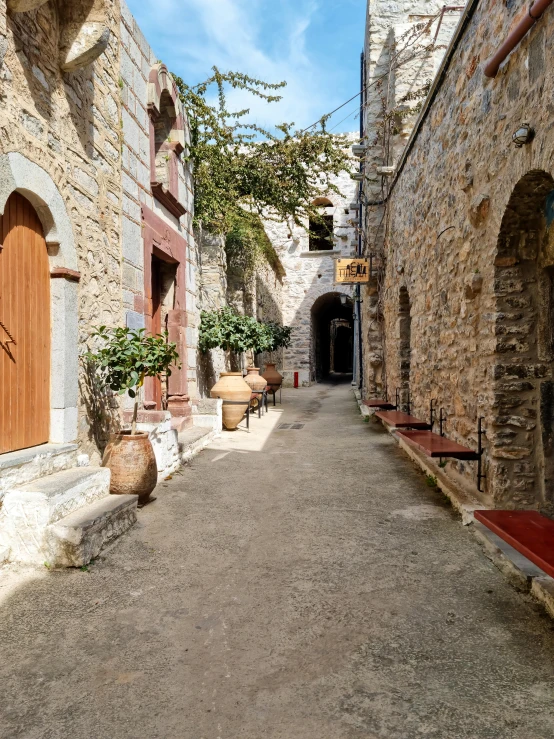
[
  {"x": 523, "y": 444},
  {"x": 332, "y": 336},
  {"x": 405, "y": 345},
  {"x": 24, "y": 328}
]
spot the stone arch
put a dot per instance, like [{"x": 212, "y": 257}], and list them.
[
  {"x": 325, "y": 309},
  {"x": 404, "y": 344},
  {"x": 19, "y": 174},
  {"x": 167, "y": 138},
  {"x": 523, "y": 444}
]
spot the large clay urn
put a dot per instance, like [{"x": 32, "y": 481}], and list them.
[
  {"x": 130, "y": 459},
  {"x": 257, "y": 384},
  {"x": 231, "y": 386},
  {"x": 274, "y": 378}
]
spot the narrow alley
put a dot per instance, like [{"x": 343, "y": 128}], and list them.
[{"x": 300, "y": 583}]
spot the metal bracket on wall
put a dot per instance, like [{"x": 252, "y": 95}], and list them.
[{"x": 480, "y": 433}]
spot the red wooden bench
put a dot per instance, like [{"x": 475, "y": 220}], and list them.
[
  {"x": 526, "y": 531},
  {"x": 402, "y": 420},
  {"x": 378, "y": 403},
  {"x": 434, "y": 445}
]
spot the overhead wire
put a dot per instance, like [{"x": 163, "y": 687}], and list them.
[{"x": 373, "y": 82}]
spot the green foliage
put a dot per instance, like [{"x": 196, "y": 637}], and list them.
[
  {"x": 277, "y": 335},
  {"x": 247, "y": 244},
  {"x": 126, "y": 357},
  {"x": 226, "y": 329},
  {"x": 238, "y": 165},
  {"x": 431, "y": 481}
]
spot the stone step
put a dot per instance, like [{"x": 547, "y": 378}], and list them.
[
  {"x": 29, "y": 509},
  {"x": 26, "y": 465},
  {"x": 79, "y": 537},
  {"x": 193, "y": 440}
]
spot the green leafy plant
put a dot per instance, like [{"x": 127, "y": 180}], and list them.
[
  {"x": 247, "y": 245},
  {"x": 278, "y": 335},
  {"x": 228, "y": 330},
  {"x": 431, "y": 481},
  {"x": 238, "y": 165},
  {"x": 126, "y": 357}
]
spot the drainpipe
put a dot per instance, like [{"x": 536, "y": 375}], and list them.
[
  {"x": 359, "y": 358},
  {"x": 533, "y": 15}
]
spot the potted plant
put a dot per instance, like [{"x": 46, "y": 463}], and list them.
[
  {"x": 234, "y": 333},
  {"x": 125, "y": 358},
  {"x": 278, "y": 336}
]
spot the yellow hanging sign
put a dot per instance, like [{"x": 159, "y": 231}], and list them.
[{"x": 352, "y": 270}]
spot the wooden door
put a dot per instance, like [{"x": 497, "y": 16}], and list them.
[
  {"x": 24, "y": 328},
  {"x": 157, "y": 321}
]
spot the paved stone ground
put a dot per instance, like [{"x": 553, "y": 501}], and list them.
[{"x": 301, "y": 584}]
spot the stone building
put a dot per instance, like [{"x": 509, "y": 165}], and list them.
[
  {"x": 465, "y": 285},
  {"x": 60, "y": 205},
  {"x": 96, "y": 210},
  {"x": 311, "y": 298}
]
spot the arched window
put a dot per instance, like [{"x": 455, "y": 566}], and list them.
[{"x": 321, "y": 226}]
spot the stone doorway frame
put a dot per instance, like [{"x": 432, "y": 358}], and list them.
[{"x": 19, "y": 174}]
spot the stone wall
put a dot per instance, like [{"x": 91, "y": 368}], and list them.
[
  {"x": 309, "y": 275},
  {"x": 259, "y": 295},
  {"x": 169, "y": 214},
  {"x": 404, "y": 45},
  {"x": 468, "y": 242},
  {"x": 66, "y": 128}
]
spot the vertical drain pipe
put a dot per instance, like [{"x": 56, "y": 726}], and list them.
[{"x": 360, "y": 226}]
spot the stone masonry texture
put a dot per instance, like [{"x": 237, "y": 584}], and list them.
[
  {"x": 311, "y": 275},
  {"x": 468, "y": 244},
  {"x": 69, "y": 124}
]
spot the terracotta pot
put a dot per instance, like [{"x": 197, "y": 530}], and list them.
[
  {"x": 274, "y": 378},
  {"x": 257, "y": 383},
  {"x": 132, "y": 463},
  {"x": 231, "y": 386}
]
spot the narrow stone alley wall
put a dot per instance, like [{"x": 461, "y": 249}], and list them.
[
  {"x": 468, "y": 237},
  {"x": 404, "y": 45}
]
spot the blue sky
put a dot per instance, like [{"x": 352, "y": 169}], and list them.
[{"x": 314, "y": 45}]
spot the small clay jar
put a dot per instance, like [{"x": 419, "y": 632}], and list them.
[
  {"x": 274, "y": 378},
  {"x": 257, "y": 383}
]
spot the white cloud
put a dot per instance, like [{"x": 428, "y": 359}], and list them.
[{"x": 262, "y": 38}]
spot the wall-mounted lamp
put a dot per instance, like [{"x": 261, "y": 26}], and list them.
[
  {"x": 343, "y": 299},
  {"x": 523, "y": 135}
]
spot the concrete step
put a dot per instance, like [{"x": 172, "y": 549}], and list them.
[
  {"x": 26, "y": 465},
  {"x": 79, "y": 537},
  {"x": 29, "y": 509}
]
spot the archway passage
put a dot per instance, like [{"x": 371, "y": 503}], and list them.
[
  {"x": 24, "y": 328},
  {"x": 523, "y": 447},
  {"x": 405, "y": 346},
  {"x": 332, "y": 336}
]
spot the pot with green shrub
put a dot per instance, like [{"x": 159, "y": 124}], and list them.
[
  {"x": 234, "y": 333},
  {"x": 123, "y": 360}
]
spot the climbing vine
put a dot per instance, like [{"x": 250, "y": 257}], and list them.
[
  {"x": 239, "y": 165},
  {"x": 247, "y": 245}
]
